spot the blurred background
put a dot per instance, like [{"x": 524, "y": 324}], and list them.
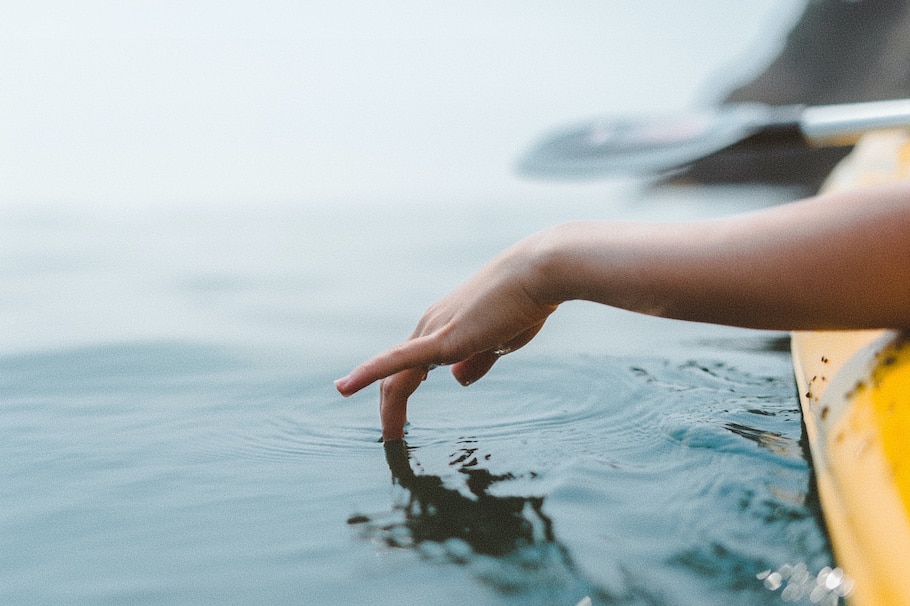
[
  {"x": 251, "y": 171},
  {"x": 153, "y": 104}
]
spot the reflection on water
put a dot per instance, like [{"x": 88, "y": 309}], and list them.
[
  {"x": 773, "y": 441},
  {"x": 488, "y": 524},
  {"x": 508, "y": 539},
  {"x": 798, "y": 584}
]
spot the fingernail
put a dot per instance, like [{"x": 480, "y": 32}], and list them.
[{"x": 340, "y": 384}]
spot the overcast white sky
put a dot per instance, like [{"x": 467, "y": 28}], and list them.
[{"x": 171, "y": 102}]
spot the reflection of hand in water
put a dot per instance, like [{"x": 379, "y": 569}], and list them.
[
  {"x": 512, "y": 530},
  {"x": 490, "y": 525}
]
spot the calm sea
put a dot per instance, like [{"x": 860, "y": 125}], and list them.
[{"x": 168, "y": 427}]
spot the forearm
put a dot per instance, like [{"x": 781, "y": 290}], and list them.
[{"x": 836, "y": 261}]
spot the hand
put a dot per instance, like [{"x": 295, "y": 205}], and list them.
[
  {"x": 837, "y": 261},
  {"x": 493, "y": 313}
]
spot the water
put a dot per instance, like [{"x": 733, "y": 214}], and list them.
[
  {"x": 179, "y": 473},
  {"x": 172, "y": 321},
  {"x": 170, "y": 433}
]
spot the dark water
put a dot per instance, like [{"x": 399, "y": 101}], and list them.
[
  {"x": 647, "y": 481},
  {"x": 179, "y": 473},
  {"x": 170, "y": 434}
]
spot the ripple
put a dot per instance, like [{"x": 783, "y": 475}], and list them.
[
  {"x": 644, "y": 458},
  {"x": 607, "y": 404},
  {"x": 535, "y": 396},
  {"x": 282, "y": 436}
]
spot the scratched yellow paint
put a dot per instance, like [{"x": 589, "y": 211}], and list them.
[
  {"x": 855, "y": 397},
  {"x": 889, "y": 398}
]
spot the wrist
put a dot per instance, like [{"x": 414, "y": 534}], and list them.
[{"x": 550, "y": 274}]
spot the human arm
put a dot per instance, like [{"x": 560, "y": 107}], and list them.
[{"x": 832, "y": 261}]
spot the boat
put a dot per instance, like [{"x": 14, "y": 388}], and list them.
[{"x": 854, "y": 391}]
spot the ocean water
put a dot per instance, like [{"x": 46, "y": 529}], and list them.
[{"x": 172, "y": 320}]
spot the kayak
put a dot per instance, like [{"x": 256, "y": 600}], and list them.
[{"x": 854, "y": 391}]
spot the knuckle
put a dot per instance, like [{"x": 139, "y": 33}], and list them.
[{"x": 387, "y": 388}]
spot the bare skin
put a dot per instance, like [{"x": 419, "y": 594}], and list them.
[{"x": 835, "y": 261}]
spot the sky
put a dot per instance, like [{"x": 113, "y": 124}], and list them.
[{"x": 141, "y": 103}]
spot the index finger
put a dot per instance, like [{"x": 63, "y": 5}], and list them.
[{"x": 414, "y": 353}]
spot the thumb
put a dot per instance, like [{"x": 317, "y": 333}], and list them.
[{"x": 476, "y": 366}]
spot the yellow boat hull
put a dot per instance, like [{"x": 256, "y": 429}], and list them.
[{"x": 854, "y": 391}]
